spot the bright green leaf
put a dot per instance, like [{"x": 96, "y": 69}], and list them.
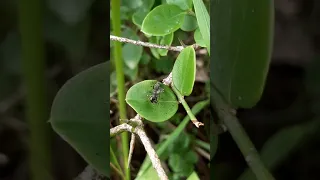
[
  {"x": 203, "y": 21},
  {"x": 163, "y": 20},
  {"x": 193, "y": 176},
  {"x": 198, "y": 38},
  {"x": 165, "y": 40},
  {"x": 189, "y": 23},
  {"x": 184, "y": 71},
  {"x": 183, "y": 4},
  {"x": 138, "y": 97},
  {"x": 242, "y": 51},
  {"x": 80, "y": 115}
]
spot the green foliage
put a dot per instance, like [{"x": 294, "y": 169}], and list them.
[
  {"x": 243, "y": 49},
  {"x": 190, "y": 23},
  {"x": 184, "y": 71},
  {"x": 166, "y": 41},
  {"x": 163, "y": 20},
  {"x": 138, "y": 97},
  {"x": 80, "y": 115},
  {"x": 203, "y": 21},
  {"x": 183, "y": 4}
]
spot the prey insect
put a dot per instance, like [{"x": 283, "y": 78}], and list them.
[{"x": 157, "y": 90}]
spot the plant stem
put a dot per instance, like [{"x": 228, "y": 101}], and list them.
[
  {"x": 33, "y": 60},
  {"x": 241, "y": 138},
  {"x": 116, "y": 22},
  {"x": 186, "y": 107},
  {"x": 147, "y": 44},
  {"x": 114, "y": 159}
]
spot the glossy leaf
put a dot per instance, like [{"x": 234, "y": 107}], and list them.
[
  {"x": 203, "y": 21},
  {"x": 198, "y": 38},
  {"x": 138, "y": 97},
  {"x": 242, "y": 34},
  {"x": 183, "y": 4},
  {"x": 165, "y": 40},
  {"x": 163, "y": 20},
  {"x": 184, "y": 71},
  {"x": 190, "y": 23},
  {"x": 80, "y": 115}
]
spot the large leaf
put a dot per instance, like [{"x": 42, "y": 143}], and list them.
[
  {"x": 138, "y": 97},
  {"x": 242, "y": 33},
  {"x": 163, "y": 20},
  {"x": 184, "y": 71},
  {"x": 203, "y": 21},
  {"x": 80, "y": 115}
]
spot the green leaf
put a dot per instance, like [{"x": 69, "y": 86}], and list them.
[
  {"x": 180, "y": 144},
  {"x": 203, "y": 21},
  {"x": 189, "y": 23},
  {"x": 184, "y": 71},
  {"x": 242, "y": 51},
  {"x": 138, "y": 97},
  {"x": 138, "y": 17},
  {"x": 132, "y": 74},
  {"x": 198, "y": 38},
  {"x": 80, "y": 115},
  {"x": 183, "y": 4},
  {"x": 145, "y": 59},
  {"x": 154, "y": 51},
  {"x": 179, "y": 164},
  {"x": 193, "y": 176},
  {"x": 162, "y": 149},
  {"x": 131, "y": 54},
  {"x": 163, "y": 20},
  {"x": 283, "y": 144},
  {"x": 165, "y": 40},
  {"x": 163, "y": 65}
]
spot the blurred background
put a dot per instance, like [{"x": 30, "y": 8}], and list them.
[
  {"x": 75, "y": 38},
  {"x": 284, "y": 126}
]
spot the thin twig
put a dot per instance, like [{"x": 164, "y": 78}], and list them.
[
  {"x": 146, "y": 44},
  {"x": 139, "y": 131},
  {"x": 132, "y": 142}
]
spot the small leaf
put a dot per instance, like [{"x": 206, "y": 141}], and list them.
[
  {"x": 189, "y": 23},
  {"x": 131, "y": 53},
  {"x": 203, "y": 21},
  {"x": 163, "y": 20},
  {"x": 138, "y": 17},
  {"x": 183, "y": 4},
  {"x": 154, "y": 51},
  {"x": 138, "y": 97},
  {"x": 193, "y": 176},
  {"x": 166, "y": 40},
  {"x": 184, "y": 71},
  {"x": 163, "y": 65},
  {"x": 80, "y": 115},
  {"x": 198, "y": 38}
]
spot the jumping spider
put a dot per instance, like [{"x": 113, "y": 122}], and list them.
[{"x": 157, "y": 90}]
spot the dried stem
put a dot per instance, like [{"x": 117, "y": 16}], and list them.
[
  {"x": 139, "y": 131},
  {"x": 146, "y": 44}
]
